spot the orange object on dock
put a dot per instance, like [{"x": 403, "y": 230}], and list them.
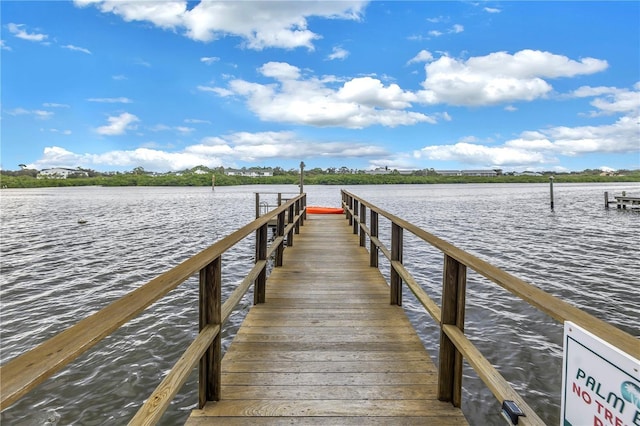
[{"x": 324, "y": 210}]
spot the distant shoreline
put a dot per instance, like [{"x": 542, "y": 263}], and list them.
[{"x": 129, "y": 179}]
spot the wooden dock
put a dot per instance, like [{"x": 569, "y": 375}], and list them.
[{"x": 327, "y": 347}]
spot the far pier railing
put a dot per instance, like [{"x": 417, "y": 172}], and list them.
[
  {"x": 454, "y": 345},
  {"x": 23, "y": 373}
]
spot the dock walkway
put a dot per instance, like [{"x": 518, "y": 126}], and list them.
[{"x": 327, "y": 347}]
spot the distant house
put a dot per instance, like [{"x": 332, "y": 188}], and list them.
[
  {"x": 249, "y": 172},
  {"x": 379, "y": 171},
  {"x": 484, "y": 173},
  {"x": 61, "y": 173}
]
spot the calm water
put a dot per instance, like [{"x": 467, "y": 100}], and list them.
[{"x": 56, "y": 272}]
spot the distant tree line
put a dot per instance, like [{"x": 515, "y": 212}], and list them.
[{"x": 201, "y": 176}]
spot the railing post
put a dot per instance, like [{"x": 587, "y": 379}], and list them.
[
  {"x": 257, "y": 205},
  {"x": 363, "y": 221},
  {"x": 291, "y": 213},
  {"x": 454, "y": 283},
  {"x": 349, "y": 210},
  {"x": 373, "y": 249},
  {"x": 302, "y": 205},
  {"x": 210, "y": 313},
  {"x": 356, "y": 206},
  {"x": 396, "y": 255},
  {"x": 297, "y": 208},
  {"x": 279, "y": 233},
  {"x": 261, "y": 254}
]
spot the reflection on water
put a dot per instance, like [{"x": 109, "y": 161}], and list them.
[{"x": 56, "y": 271}]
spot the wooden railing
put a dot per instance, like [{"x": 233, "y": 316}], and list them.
[
  {"x": 23, "y": 373},
  {"x": 454, "y": 345}
]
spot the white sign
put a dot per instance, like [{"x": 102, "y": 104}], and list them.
[{"x": 600, "y": 383}]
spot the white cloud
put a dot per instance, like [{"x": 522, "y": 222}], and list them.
[
  {"x": 164, "y": 127},
  {"x": 542, "y": 147},
  {"x": 118, "y": 125},
  {"x": 3, "y": 46},
  {"x": 338, "y": 53},
  {"x": 611, "y": 100},
  {"x": 37, "y": 113},
  {"x": 209, "y": 59},
  {"x": 196, "y": 121},
  {"x": 217, "y": 90},
  {"x": 119, "y": 77},
  {"x": 480, "y": 155},
  {"x": 456, "y": 29},
  {"x": 19, "y": 31},
  {"x": 295, "y": 98},
  {"x": 63, "y": 132},
  {"x": 422, "y": 56},
  {"x": 212, "y": 152},
  {"x": 76, "y": 48},
  {"x": 492, "y": 10},
  {"x": 55, "y": 105},
  {"x": 120, "y": 100},
  {"x": 500, "y": 77},
  {"x": 260, "y": 24}
]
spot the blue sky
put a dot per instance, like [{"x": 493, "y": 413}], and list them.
[{"x": 169, "y": 85}]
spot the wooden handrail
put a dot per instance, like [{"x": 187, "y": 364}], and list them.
[
  {"x": 452, "y": 327},
  {"x": 23, "y": 373}
]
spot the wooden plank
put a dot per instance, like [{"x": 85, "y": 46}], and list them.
[{"x": 326, "y": 344}]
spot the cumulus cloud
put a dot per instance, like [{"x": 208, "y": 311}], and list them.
[
  {"x": 3, "y": 46},
  {"x": 213, "y": 151},
  {"x": 338, "y": 53},
  {"x": 422, "y": 56},
  {"x": 309, "y": 100},
  {"x": 542, "y": 147},
  {"x": 611, "y": 100},
  {"x": 259, "y": 24},
  {"x": 19, "y": 31},
  {"x": 118, "y": 125},
  {"x": 500, "y": 77}
]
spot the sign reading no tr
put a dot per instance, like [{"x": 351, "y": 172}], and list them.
[{"x": 600, "y": 383}]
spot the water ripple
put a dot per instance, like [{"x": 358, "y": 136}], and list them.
[{"x": 56, "y": 271}]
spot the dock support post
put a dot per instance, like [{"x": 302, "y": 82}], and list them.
[
  {"x": 297, "y": 209},
  {"x": 261, "y": 254},
  {"x": 454, "y": 283},
  {"x": 606, "y": 199},
  {"x": 396, "y": 256},
  {"x": 257, "y": 205},
  {"x": 356, "y": 207},
  {"x": 363, "y": 222},
  {"x": 279, "y": 233},
  {"x": 210, "y": 370},
  {"x": 302, "y": 205},
  {"x": 551, "y": 190},
  {"x": 373, "y": 248},
  {"x": 291, "y": 213}
]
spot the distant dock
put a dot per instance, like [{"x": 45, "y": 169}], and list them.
[{"x": 622, "y": 201}]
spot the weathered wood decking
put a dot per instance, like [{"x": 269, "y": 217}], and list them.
[{"x": 327, "y": 347}]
